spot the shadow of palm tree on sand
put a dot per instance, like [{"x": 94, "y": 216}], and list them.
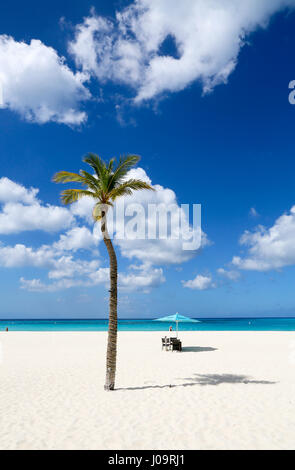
[
  {"x": 208, "y": 379},
  {"x": 217, "y": 379}
]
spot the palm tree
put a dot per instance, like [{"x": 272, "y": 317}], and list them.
[{"x": 108, "y": 182}]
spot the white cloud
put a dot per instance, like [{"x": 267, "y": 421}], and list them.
[
  {"x": 16, "y": 217},
  {"x": 99, "y": 276},
  {"x": 22, "y": 211},
  {"x": 208, "y": 36},
  {"x": 76, "y": 239},
  {"x": 14, "y": 192},
  {"x": 37, "y": 84},
  {"x": 63, "y": 269},
  {"x": 36, "y": 285},
  {"x": 21, "y": 255},
  {"x": 157, "y": 251},
  {"x": 92, "y": 42},
  {"x": 230, "y": 274},
  {"x": 199, "y": 283},
  {"x": 271, "y": 248},
  {"x": 83, "y": 209},
  {"x": 67, "y": 267},
  {"x": 59, "y": 265},
  {"x": 143, "y": 278}
]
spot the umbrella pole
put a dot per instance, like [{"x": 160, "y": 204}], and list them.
[{"x": 176, "y": 329}]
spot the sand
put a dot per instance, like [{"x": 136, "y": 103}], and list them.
[{"x": 226, "y": 390}]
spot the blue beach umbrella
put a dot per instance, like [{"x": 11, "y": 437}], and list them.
[{"x": 177, "y": 318}]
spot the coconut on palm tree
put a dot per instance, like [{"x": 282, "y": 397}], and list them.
[{"x": 108, "y": 182}]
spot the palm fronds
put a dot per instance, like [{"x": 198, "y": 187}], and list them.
[
  {"x": 68, "y": 177},
  {"x": 98, "y": 165},
  {"x": 106, "y": 185},
  {"x": 91, "y": 180},
  {"x": 69, "y": 196},
  {"x": 125, "y": 164},
  {"x": 127, "y": 188}
]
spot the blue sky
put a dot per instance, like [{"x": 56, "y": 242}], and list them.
[{"x": 230, "y": 149}]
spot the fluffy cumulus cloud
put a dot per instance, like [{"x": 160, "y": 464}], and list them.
[
  {"x": 16, "y": 217},
  {"x": 10, "y": 191},
  {"x": 20, "y": 255},
  {"x": 60, "y": 264},
  {"x": 83, "y": 209},
  {"x": 36, "y": 285},
  {"x": 150, "y": 214},
  {"x": 21, "y": 210},
  {"x": 75, "y": 239},
  {"x": 36, "y": 83},
  {"x": 271, "y": 248},
  {"x": 158, "y": 230},
  {"x": 207, "y": 34},
  {"x": 200, "y": 282},
  {"x": 141, "y": 278}
]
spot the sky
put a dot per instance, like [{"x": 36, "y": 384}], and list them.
[{"x": 200, "y": 90}]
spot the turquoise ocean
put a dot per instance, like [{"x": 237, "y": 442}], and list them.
[{"x": 206, "y": 324}]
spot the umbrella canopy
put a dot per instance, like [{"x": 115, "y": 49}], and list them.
[{"x": 177, "y": 318}]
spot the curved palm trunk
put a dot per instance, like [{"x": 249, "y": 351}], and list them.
[{"x": 112, "y": 333}]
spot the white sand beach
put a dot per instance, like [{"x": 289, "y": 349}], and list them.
[{"x": 226, "y": 390}]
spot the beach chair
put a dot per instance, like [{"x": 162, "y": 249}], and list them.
[
  {"x": 166, "y": 343},
  {"x": 175, "y": 344}
]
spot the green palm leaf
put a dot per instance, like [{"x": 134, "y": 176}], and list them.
[
  {"x": 127, "y": 188},
  {"x": 91, "y": 180},
  {"x": 98, "y": 165},
  {"x": 69, "y": 196},
  {"x": 67, "y": 177},
  {"x": 125, "y": 164}
]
